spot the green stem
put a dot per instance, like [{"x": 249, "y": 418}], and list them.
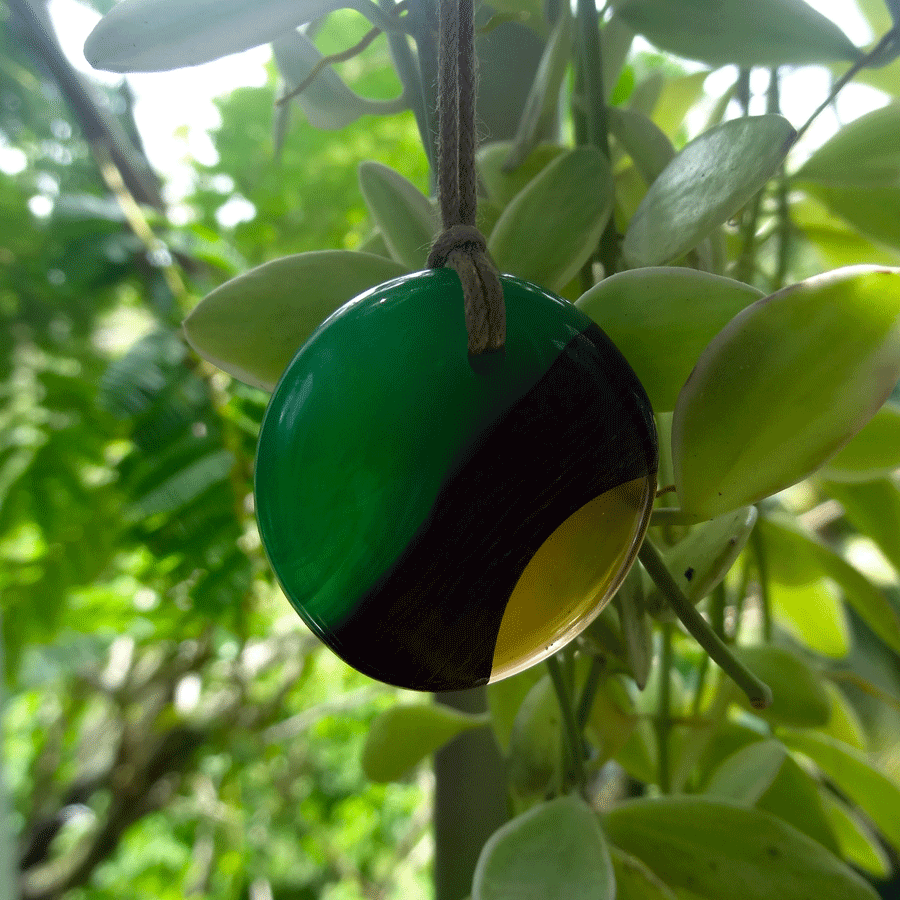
[
  {"x": 664, "y": 711},
  {"x": 590, "y": 68},
  {"x": 762, "y": 568},
  {"x": 758, "y": 693},
  {"x": 571, "y": 732},
  {"x": 589, "y": 692}
]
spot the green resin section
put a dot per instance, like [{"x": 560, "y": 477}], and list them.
[{"x": 368, "y": 419}]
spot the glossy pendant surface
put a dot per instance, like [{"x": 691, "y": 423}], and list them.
[{"x": 440, "y": 527}]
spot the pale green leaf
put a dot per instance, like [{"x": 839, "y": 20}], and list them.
[
  {"x": 719, "y": 32},
  {"x": 799, "y": 696},
  {"x": 662, "y": 319},
  {"x": 616, "y": 39},
  {"x": 677, "y": 98},
  {"x": 156, "y": 35},
  {"x": 714, "y": 848},
  {"x": 704, "y": 186},
  {"x": 769, "y": 401},
  {"x": 535, "y": 746},
  {"x": 402, "y": 736},
  {"x": 844, "y": 723},
  {"x": 870, "y": 209},
  {"x": 748, "y": 773},
  {"x": 859, "y": 844},
  {"x": 642, "y": 140},
  {"x": 504, "y": 698},
  {"x": 873, "y": 453},
  {"x": 503, "y": 184},
  {"x": 872, "y": 791},
  {"x": 634, "y": 880},
  {"x": 406, "y": 218},
  {"x": 555, "y": 850},
  {"x": 551, "y": 228},
  {"x": 814, "y": 614},
  {"x": 253, "y": 325}
]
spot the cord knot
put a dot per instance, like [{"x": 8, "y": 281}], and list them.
[{"x": 464, "y": 249}]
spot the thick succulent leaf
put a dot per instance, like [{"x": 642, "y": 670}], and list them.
[
  {"x": 540, "y": 109},
  {"x": 535, "y": 747},
  {"x": 556, "y": 849},
  {"x": 870, "y": 209},
  {"x": 326, "y": 101},
  {"x": 709, "y": 847},
  {"x": 662, "y": 319},
  {"x": 634, "y": 881},
  {"x": 872, "y": 791},
  {"x": 253, "y": 325},
  {"x": 748, "y": 773},
  {"x": 677, "y": 98},
  {"x": 719, "y": 32},
  {"x": 636, "y": 629},
  {"x": 157, "y": 35},
  {"x": 504, "y": 698},
  {"x": 402, "y": 736},
  {"x": 551, "y": 228},
  {"x": 865, "y": 151},
  {"x": 859, "y": 844},
  {"x": 872, "y": 454},
  {"x": 405, "y": 217},
  {"x": 704, "y": 185},
  {"x": 701, "y": 560},
  {"x": 610, "y": 721},
  {"x": 642, "y": 140},
  {"x": 616, "y": 39},
  {"x": 794, "y": 796},
  {"x": 844, "y": 723},
  {"x": 503, "y": 183},
  {"x": 799, "y": 695},
  {"x": 770, "y": 400},
  {"x": 874, "y": 509}
]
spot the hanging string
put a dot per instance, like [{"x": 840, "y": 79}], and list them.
[{"x": 461, "y": 246}]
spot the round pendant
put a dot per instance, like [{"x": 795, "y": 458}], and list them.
[{"x": 441, "y": 526}]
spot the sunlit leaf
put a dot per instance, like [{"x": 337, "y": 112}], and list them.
[
  {"x": 402, "y": 736},
  {"x": 873, "y": 453},
  {"x": 769, "y": 401},
  {"x": 253, "y": 325},
  {"x": 748, "y": 773},
  {"x": 844, "y": 723},
  {"x": 799, "y": 696},
  {"x": 504, "y": 698},
  {"x": 405, "y": 217},
  {"x": 719, "y": 32},
  {"x": 872, "y": 791},
  {"x": 156, "y": 35},
  {"x": 551, "y": 228},
  {"x": 662, "y": 319},
  {"x": 859, "y": 844},
  {"x": 709, "y": 847},
  {"x": 556, "y": 849},
  {"x": 704, "y": 185},
  {"x": 642, "y": 140},
  {"x": 535, "y": 747}
]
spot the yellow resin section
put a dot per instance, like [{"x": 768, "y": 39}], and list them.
[{"x": 583, "y": 561}]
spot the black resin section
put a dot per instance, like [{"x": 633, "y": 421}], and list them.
[{"x": 431, "y": 621}]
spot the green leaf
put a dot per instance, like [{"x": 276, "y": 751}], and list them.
[
  {"x": 157, "y": 35},
  {"x": 504, "y": 183},
  {"x": 868, "y": 209},
  {"x": 405, "y": 217},
  {"x": 794, "y": 797},
  {"x": 701, "y": 560},
  {"x": 253, "y": 325},
  {"x": 642, "y": 140},
  {"x": 662, "y": 319},
  {"x": 326, "y": 102},
  {"x": 799, "y": 694},
  {"x": 637, "y": 631},
  {"x": 504, "y": 699},
  {"x": 814, "y": 614},
  {"x": 770, "y": 401},
  {"x": 874, "y": 452},
  {"x": 556, "y": 849},
  {"x": 857, "y": 841},
  {"x": 873, "y": 792},
  {"x": 551, "y": 228},
  {"x": 704, "y": 185},
  {"x": 844, "y": 724},
  {"x": 863, "y": 152},
  {"x": 535, "y": 746},
  {"x": 610, "y": 721},
  {"x": 713, "y": 847},
  {"x": 748, "y": 773},
  {"x": 402, "y": 736},
  {"x": 719, "y": 32},
  {"x": 616, "y": 39},
  {"x": 634, "y": 881},
  {"x": 185, "y": 485},
  {"x": 540, "y": 111},
  {"x": 874, "y": 509},
  {"x": 676, "y": 99}
]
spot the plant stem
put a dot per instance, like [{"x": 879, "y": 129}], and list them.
[
  {"x": 592, "y": 682},
  {"x": 664, "y": 711},
  {"x": 590, "y": 69},
  {"x": 571, "y": 731},
  {"x": 758, "y": 693},
  {"x": 762, "y": 568}
]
